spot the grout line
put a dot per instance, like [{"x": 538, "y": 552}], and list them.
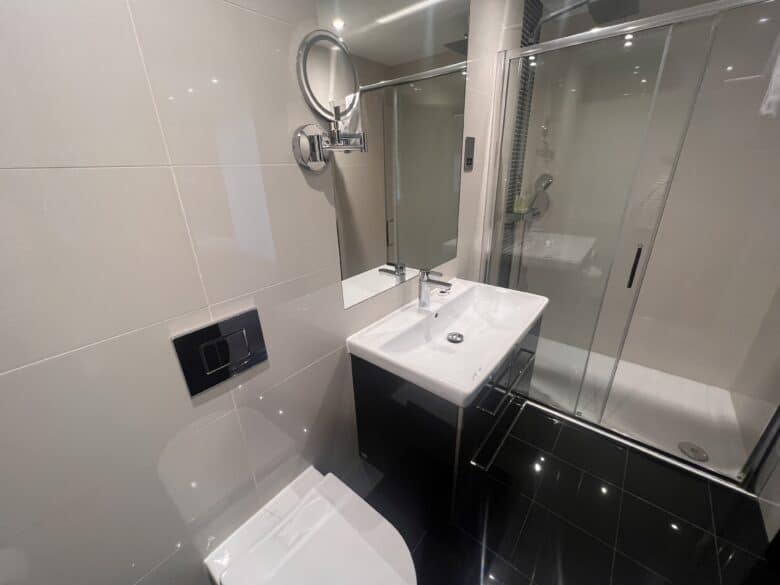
[
  {"x": 311, "y": 365},
  {"x": 161, "y": 322},
  {"x": 233, "y": 391},
  {"x": 158, "y": 565},
  {"x": 522, "y": 528},
  {"x": 562, "y": 518},
  {"x": 419, "y": 541},
  {"x": 669, "y": 512},
  {"x": 537, "y": 487},
  {"x": 619, "y": 515},
  {"x": 666, "y": 580},
  {"x": 621, "y": 488},
  {"x": 103, "y": 340},
  {"x": 560, "y": 426},
  {"x": 168, "y": 156},
  {"x": 244, "y": 441},
  {"x": 54, "y": 167},
  {"x": 257, "y": 12},
  {"x": 483, "y": 545},
  {"x": 714, "y": 533},
  {"x": 562, "y": 460},
  {"x": 270, "y": 286},
  {"x": 83, "y": 167},
  {"x": 612, "y": 547},
  {"x": 232, "y": 165}
]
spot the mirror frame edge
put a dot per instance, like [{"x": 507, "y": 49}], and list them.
[{"x": 303, "y": 80}]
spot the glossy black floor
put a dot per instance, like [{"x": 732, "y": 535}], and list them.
[{"x": 562, "y": 505}]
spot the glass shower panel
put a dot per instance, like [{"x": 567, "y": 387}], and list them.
[
  {"x": 572, "y": 141},
  {"x": 561, "y": 19},
  {"x": 426, "y": 119},
  {"x": 699, "y": 375},
  {"x": 684, "y": 63}
]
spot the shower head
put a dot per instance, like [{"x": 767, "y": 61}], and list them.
[{"x": 542, "y": 183}]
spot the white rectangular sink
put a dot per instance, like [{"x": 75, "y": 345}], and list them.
[{"x": 412, "y": 342}]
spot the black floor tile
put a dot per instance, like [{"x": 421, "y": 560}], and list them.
[
  {"x": 738, "y": 519},
  {"x": 447, "y": 556},
  {"x": 627, "y": 572},
  {"x": 667, "y": 545},
  {"x": 592, "y": 452},
  {"x": 554, "y": 552},
  {"x": 497, "y": 571},
  {"x": 490, "y": 511},
  {"x": 674, "y": 489},
  {"x": 738, "y": 567},
  {"x": 589, "y": 502},
  {"x": 412, "y": 501},
  {"x": 519, "y": 465},
  {"x": 537, "y": 427}
]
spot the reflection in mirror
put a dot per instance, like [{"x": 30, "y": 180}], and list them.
[
  {"x": 553, "y": 19},
  {"x": 425, "y": 119},
  {"x": 332, "y": 79},
  {"x": 397, "y": 203}
]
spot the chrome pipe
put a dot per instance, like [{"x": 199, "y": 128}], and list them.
[{"x": 429, "y": 74}]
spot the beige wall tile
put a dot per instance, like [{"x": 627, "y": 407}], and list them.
[
  {"x": 74, "y": 91},
  {"x": 87, "y": 254}
]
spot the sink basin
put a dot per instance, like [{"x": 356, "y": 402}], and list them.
[{"x": 413, "y": 343}]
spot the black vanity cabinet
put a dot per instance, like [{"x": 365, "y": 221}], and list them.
[
  {"x": 409, "y": 435},
  {"x": 421, "y": 443}
]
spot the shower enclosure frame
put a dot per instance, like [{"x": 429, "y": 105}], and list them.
[{"x": 766, "y": 453}]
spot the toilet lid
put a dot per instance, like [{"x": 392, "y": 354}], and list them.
[{"x": 332, "y": 538}]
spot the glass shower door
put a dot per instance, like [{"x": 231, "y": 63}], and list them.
[
  {"x": 638, "y": 192},
  {"x": 699, "y": 369},
  {"x": 574, "y": 132}
]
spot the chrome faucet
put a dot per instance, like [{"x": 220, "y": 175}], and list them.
[
  {"x": 399, "y": 269},
  {"x": 425, "y": 284}
]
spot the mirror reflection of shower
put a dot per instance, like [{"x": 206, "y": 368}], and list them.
[{"x": 532, "y": 207}]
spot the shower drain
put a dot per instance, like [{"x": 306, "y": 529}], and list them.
[
  {"x": 455, "y": 337},
  {"x": 693, "y": 451}
]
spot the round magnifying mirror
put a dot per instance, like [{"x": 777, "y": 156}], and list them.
[{"x": 327, "y": 75}]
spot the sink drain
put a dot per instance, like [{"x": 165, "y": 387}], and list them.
[
  {"x": 693, "y": 451},
  {"x": 455, "y": 337}
]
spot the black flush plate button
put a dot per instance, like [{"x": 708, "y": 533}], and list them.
[
  {"x": 217, "y": 352},
  {"x": 230, "y": 349}
]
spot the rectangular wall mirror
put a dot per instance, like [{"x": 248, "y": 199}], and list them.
[{"x": 397, "y": 203}]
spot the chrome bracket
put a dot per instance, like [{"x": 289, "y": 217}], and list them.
[{"x": 312, "y": 145}]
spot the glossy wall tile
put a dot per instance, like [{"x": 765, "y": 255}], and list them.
[
  {"x": 309, "y": 416},
  {"x": 135, "y": 218},
  {"x": 73, "y": 82},
  {"x": 222, "y": 80},
  {"x": 88, "y": 254},
  {"x": 244, "y": 219},
  {"x": 92, "y": 442}
]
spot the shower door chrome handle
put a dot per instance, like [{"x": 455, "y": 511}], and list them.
[{"x": 634, "y": 266}]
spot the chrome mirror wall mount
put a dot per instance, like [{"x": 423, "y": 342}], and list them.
[
  {"x": 312, "y": 145},
  {"x": 323, "y": 57}
]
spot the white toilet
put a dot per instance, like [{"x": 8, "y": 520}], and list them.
[{"x": 318, "y": 531}]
